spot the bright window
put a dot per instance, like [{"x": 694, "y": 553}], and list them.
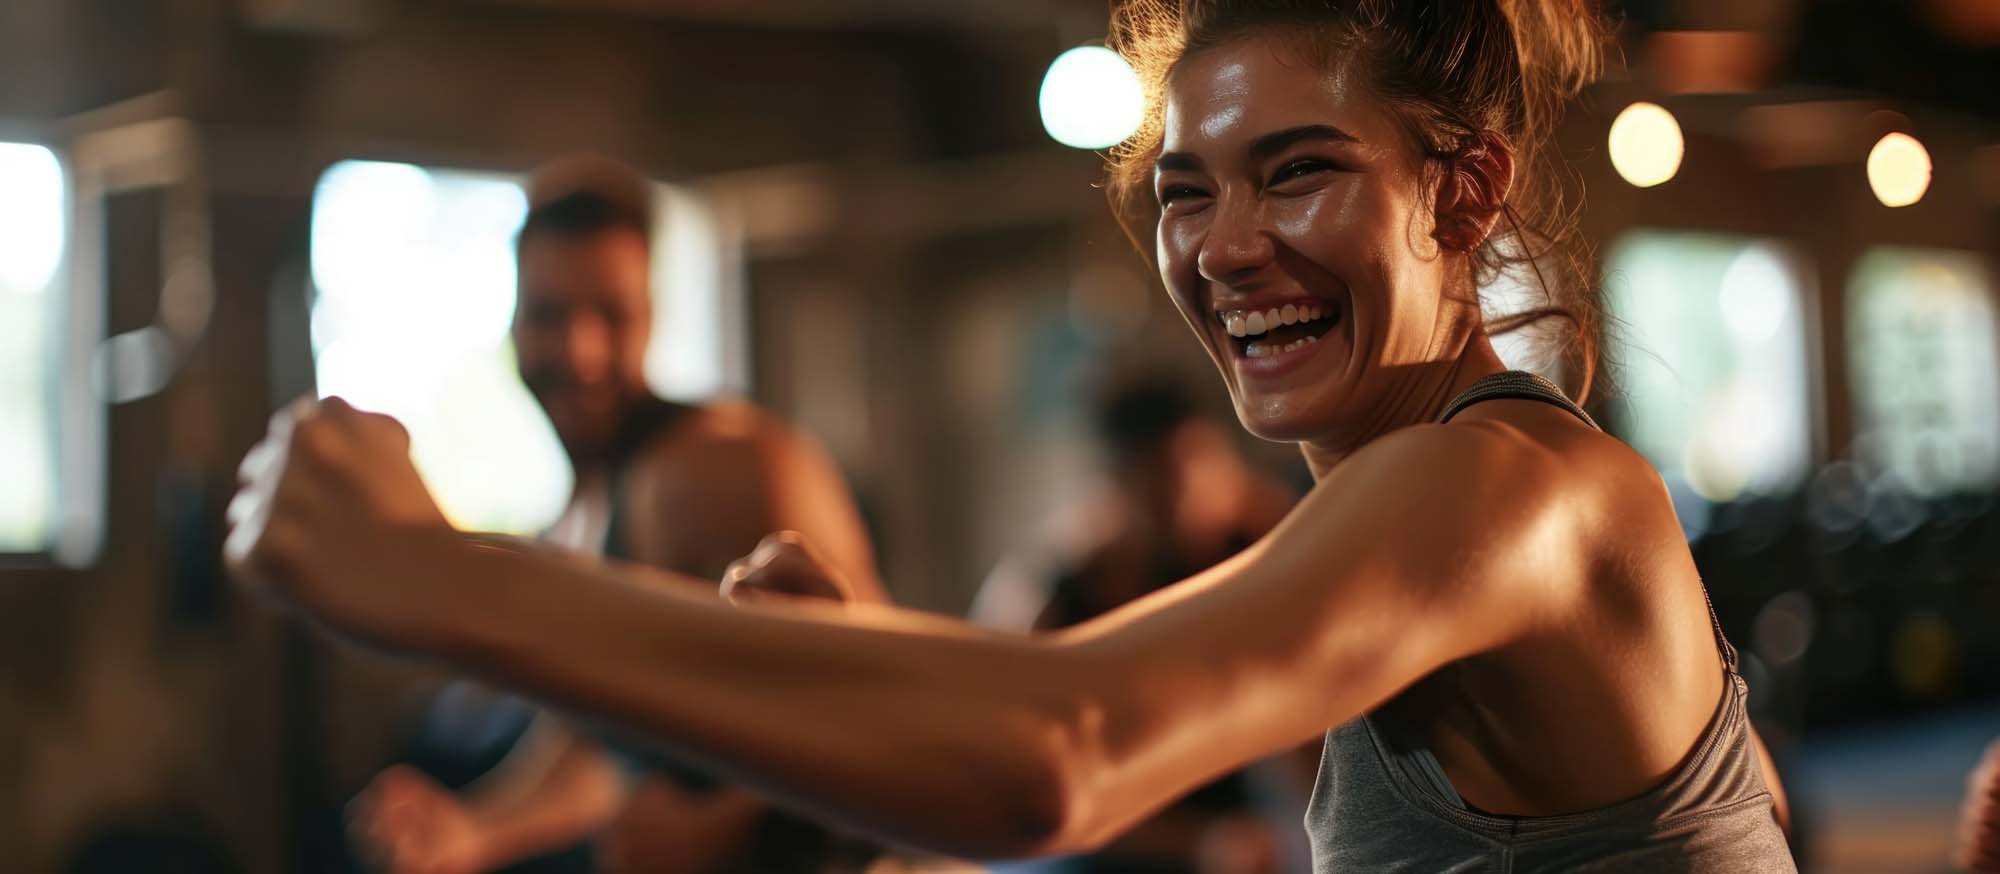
[
  {"x": 414, "y": 270},
  {"x": 1709, "y": 335},
  {"x": 1925, "y": 376},
  {"x": 1538, "y": 345},
  {"x": 33, "y": 216}
]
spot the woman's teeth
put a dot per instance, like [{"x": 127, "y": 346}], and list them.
[
  {"x": 1266, "y": 350},
  {"x": 1250, "y": 323}
]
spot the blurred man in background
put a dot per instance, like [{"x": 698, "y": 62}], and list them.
[
  {"x": 1180, "y": 499},
  {"x": 681, "y": 487}
]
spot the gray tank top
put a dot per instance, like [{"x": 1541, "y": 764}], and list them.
[{"x": 1383, "y": 804}]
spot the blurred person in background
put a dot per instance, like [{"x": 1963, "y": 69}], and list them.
[
  {"x": 1183, "y": 500},
  {"x": 1486, "y": 606},
  {"x": 1979, "y": 819},
  {"x": 668, "y": 485},
  {"x": 1180, "y": 499}
]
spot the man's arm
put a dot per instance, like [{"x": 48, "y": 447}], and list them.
[
  {"x": 554, "y": 789},
  {"x": 577, "y": 792},
  {"x": 665, "y": 829}
]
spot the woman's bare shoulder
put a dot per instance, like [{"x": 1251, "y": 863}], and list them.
[
  {"x": 725, "y": 443},
  {"x": 1579, "y": 460},
  {"x": 1525, "y": 482},
  {"x": 1617, "y": 511}
]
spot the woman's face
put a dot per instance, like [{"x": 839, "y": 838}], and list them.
[{"x": 1294, "y": 240}]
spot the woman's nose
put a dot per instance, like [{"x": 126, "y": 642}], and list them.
[{"x": 1237, "y": 245}]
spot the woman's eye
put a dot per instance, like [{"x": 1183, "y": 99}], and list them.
[
  {"x": 1178, "y": 192},
  {"x": 1300, "y": 169}
]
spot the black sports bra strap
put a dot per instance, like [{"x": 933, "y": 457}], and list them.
[{"x": 1517, "y": 385}]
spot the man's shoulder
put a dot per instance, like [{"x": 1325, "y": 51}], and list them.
[
  {"x": 727, "y": 440},
  {"x": 715, "y": 426}
]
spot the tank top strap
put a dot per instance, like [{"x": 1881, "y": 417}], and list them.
[
  {"x": 646, "y": 423},
  {"x": 1520, "y": 385},
  {"x": 1722, "y": 644}
]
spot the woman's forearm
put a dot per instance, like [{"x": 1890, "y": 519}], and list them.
[{"x": 917, "y": 729}]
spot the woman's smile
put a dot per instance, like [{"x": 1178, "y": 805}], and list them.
[{"x": 1277, "y": 336}]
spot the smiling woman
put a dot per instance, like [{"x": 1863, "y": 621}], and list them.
[
  {"x": 1466, "y": 96},
  {"x": 1485, "y": 606}
]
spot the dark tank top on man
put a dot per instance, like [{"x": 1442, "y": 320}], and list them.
[{"x": 1384, "y": 805}]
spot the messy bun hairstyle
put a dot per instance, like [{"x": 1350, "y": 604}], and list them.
[{"x": 1452, "y": 71}]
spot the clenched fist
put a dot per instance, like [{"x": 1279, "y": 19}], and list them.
[
  {"x": 785, "y": 565},
  {"x": 326, "y": 518},
  {"x": 407, "y": 824}
]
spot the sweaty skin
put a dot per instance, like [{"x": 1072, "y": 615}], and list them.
[{"x": 1513, "y": 585}]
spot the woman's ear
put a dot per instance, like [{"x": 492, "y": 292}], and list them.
[{"x": 1473, "y": 192}]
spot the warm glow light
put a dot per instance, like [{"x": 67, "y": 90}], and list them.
[
  {"x": 1091, "y": 99},
  {"x": 1899, "y": 170},
  {"x": 1646, "y": 144},
  {"x": 31, "y": 216}
]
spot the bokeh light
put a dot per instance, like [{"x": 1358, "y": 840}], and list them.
[
  {"x": 1646, "y": 144},
  {"x": 1899, "y": 170},
  {"x": 1091, "y": 99},
  {"x": 1784, "y": 628}
]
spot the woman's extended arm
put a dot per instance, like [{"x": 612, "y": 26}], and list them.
[{"x": 1428, "y": 546}]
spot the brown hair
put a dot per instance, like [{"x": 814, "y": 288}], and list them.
[
  {"x": 584, "y": 194},
  {"x": 1454, "y": 71}
]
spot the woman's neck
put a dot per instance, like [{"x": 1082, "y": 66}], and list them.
[{"x": 1419, "y": 397}]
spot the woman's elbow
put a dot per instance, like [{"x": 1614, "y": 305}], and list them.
[
  {"x": 1032, "y": 811},
  {"x": 1047, "y": 804},
  {"x": 1041, "y": 765}
]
